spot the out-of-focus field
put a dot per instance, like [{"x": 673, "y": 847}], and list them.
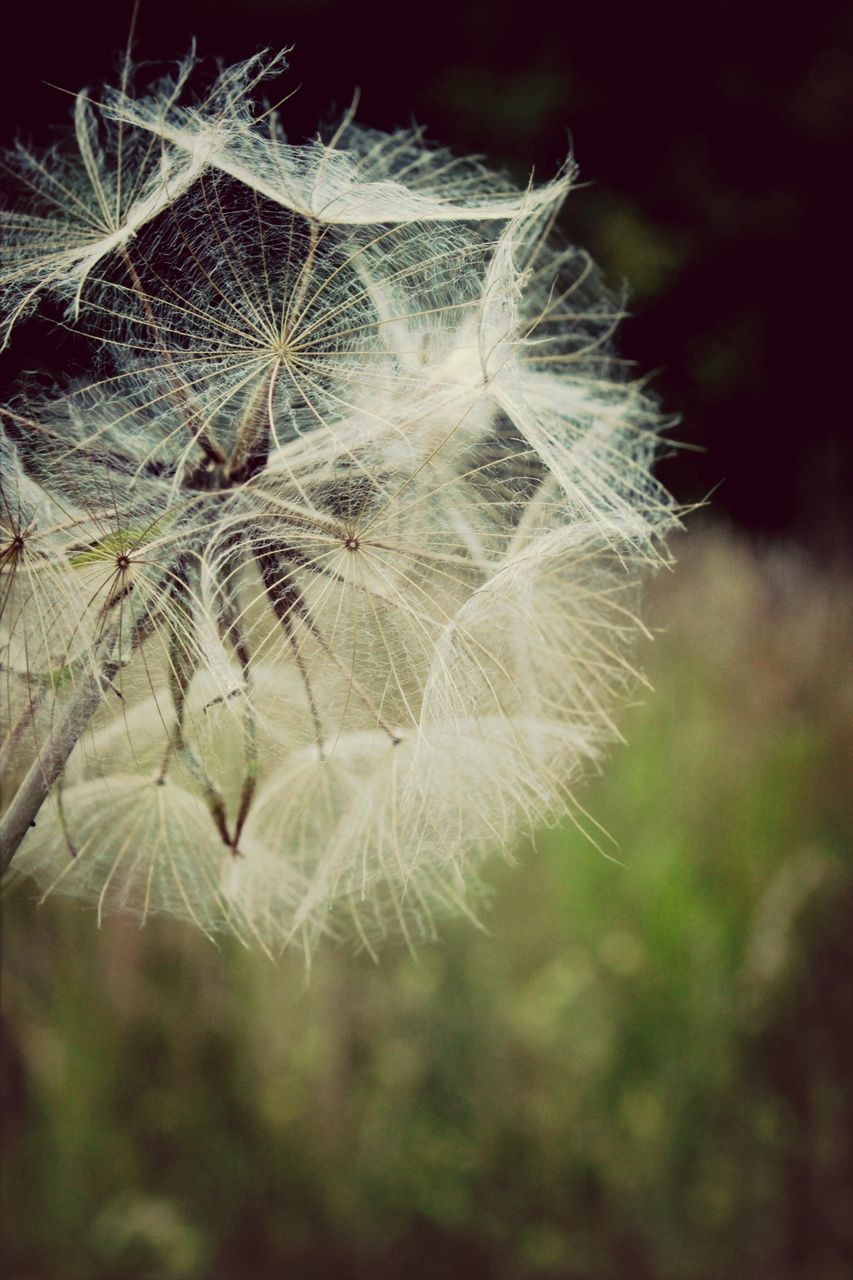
[{"x": 643, "y": 1072}]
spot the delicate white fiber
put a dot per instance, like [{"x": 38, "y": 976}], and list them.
[{"x": 345, "y": 536}]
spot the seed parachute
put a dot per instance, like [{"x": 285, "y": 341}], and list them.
[{"x": 322, "y": 587}]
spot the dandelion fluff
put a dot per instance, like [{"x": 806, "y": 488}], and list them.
[
  {"x": 324, "y": 589},
  {"x": 158, "y": 853},
  {"x": 356, "y": 177},
  {"x": 81, "y": 204}
]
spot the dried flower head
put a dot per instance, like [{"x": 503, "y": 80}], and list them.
[{"x": 322, "y": 589}]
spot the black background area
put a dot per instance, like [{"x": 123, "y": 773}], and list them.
[{"x": 713, "y": 142}]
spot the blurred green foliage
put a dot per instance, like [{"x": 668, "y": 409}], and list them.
[{"x": 642, "y": 1070}]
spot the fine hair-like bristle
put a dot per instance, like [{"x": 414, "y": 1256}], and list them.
[{"x": 323, "y": 588}]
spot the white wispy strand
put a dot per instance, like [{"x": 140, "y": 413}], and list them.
[
  {"x": 324, "y": 589},
  {"x": 82, "y": 204},
  {"x": 357, "y": 177}
]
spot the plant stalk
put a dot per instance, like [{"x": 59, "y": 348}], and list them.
[{"x": 46, "y": 768}]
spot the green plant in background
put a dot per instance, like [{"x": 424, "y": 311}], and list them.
[
  {"x": 644, "y": 1071},
  {"x": 322, "y": 588}
]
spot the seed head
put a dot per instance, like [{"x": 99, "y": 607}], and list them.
[{"x": 322, "y": 590}]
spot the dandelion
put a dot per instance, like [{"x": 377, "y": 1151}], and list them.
[{"x": 323, "y": 590}]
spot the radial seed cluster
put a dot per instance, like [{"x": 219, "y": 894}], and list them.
[{"x": 319, "y": 590}]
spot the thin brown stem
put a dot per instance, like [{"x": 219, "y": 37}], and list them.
[{"x": 51, "y": 760}]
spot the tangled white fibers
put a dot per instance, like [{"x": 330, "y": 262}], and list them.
[{"x": 321, "y": 589}]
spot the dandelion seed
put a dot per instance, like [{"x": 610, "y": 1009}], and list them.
[
  {"x": 83, "y": 204},
  {"x": 323, "y": 590},
  {"x": 356, "y": 177}
]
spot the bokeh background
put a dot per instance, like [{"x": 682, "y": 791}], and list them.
[{"x": 643, "y": 1070}]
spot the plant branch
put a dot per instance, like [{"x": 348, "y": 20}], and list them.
[{"x": 47, "y": 767}]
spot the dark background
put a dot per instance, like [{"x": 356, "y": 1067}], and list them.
[{"x": 713, "y": 142}]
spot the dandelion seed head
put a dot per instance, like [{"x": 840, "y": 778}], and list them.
[{"x": 322, "y": 590}]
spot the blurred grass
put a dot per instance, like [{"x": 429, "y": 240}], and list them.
[{"x": 644, "y": 1070}]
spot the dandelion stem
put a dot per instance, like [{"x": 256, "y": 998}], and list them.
[
  {"x": 47, "y": 767},
  {"x": 52, "y": 758},
  {"x": 16, "y": 734}
]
